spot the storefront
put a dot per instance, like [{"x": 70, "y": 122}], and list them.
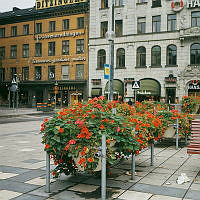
[{"x": 194, "y": 88}]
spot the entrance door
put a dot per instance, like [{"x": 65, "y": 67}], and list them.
[{"x": 170, "y": 95}]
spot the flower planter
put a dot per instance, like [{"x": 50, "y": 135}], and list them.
[{"x": 170, "y": 132}]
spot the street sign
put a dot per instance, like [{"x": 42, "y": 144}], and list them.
[
  {"x": 136, "y": 85},
  {"x": 106, "y": 71}
]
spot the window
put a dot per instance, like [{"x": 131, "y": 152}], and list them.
[
  {"x": 118, "y": 28},
  {"x": 51, "y": 74},
  {"x": 101, "y": 59},
  {"x": 104, "y": 28},
  {"x": 25, "y": 51},
  {"x": 171, "y": 95},
  {"x": 195, "y": 54},
  {"x": 2, "y": 32},
  {"x": 14, "y": 31},
  {"x": 141, "y": 25},
  {"x": 120, "y": 58},
  {"x": 65, "y": 24},
  {"x": 52, "y": 26},
  {"x": 38, "y": 73},
  {"x": 195, "y": 19},
  {"x": 79, "y": 71},
  {"x": 141, "y": 57},
  {"x": 2, "y": 74},
  {"x": 2, "y": 53},
  {"x": 80, "y": 22},
  {"x": 13, "y": 72},
  {"x": 142, "y": 1},
  {"x": 25, "y": 73},
  {"x": 38, "y": 28},
  {"x": 156, "y": 21},
  {"x": 80, "y": 46},
  {"x": 65, "y": 47},
  {"x": 38, "y": 49},
  {"x": 171, "y": 55},
  {"x": 26, "y": 29},
  {"x": 51, "y": 48},
  {"x": 96, "y": 81},
  {"x": 119, "y": 3},
  {"x": 156, "y": 56},
  {"x": 171, "y": 22},
  {"x": 104, "y": 3},
  {"x": 65, "y": 72},
  {"x": 13, "y": 51},
  {"x": 156, "y": 3}
]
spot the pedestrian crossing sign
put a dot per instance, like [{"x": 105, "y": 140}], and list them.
[{"x": 136, "y": 85}]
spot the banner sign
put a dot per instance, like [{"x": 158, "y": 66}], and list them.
[{"x": 106, "y": 71}]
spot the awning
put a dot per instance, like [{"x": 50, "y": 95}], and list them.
[
  {"x": 96, "y": 92},
  {"x": 149, "y": 87},
  {"x": 118, "y": 87}
]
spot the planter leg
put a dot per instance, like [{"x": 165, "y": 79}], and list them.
[
  {"x": 47, "y": 172},
  {"x": 103, "y": 169},
  {"x": 133, "y": 167},
  {"x": 177, "y": 126},
  {"x": 152, "y": 154}
]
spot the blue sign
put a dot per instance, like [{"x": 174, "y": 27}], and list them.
[{"x": 106, "y": 71}]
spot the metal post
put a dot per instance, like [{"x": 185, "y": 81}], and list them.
[
  {"x": 55, "y": 100},
  {"x": 177, "y": 133},
  {"x": 133, "y": 167},
  {"x": 9, "y": 102},
  {"x": 152, "y": 154},
  {"x": 135, "y": 95},
  {"x": 47, "y": 172},
  {"x": 103, "y": 168},
  {"x": 13, "y": 100},
  {"x": 17, "y": 99}
]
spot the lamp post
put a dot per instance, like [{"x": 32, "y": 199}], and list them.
[{"x": 55, "y": 91}]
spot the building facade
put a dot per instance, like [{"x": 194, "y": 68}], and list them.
[
  {"x": 156, "y": 42},
  {"x": 44, "y": 49}
]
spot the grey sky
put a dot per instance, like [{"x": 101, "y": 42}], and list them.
[{"x": 7, "y": 5}]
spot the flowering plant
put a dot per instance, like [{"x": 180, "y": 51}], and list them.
[{"x": 189, "y": 104}]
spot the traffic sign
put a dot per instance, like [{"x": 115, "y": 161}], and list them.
[{"x": 136, "y": 85}]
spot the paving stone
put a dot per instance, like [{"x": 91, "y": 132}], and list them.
[
  {"x": 29, "y": 197},
  {"x": 163, "y": 170},
  {"x": 83, "y": 188},
  {"x": 151, "y": 181},
  {"x": 7, "y": 194},
  {"x": 195, "y": 187},
  {"x": 93, "y": 181},
  {"x": 193, "y": 194},
  {"x": 159, "y": 190},
  {"x": 32, "y": 161},
  {"x": 67, "y": 195},
  {"x": 38, "y": 181},
  {"x": 161, "y": 197},
  {"x": 9, "y": 169},
  {"x": 6, "y": 175},
  {"x": 135, "y": 195},
  {"x": 154, "y": 176},
  {"x": 119, "y": 184}
]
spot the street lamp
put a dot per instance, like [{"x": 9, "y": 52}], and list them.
[{"x": 55, "y": 91}]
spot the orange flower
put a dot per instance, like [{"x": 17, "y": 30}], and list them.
[
  {"x": 67, "y": 147},
  {"x": 102, "y": 126},
  {"x": 90, "y": 159},
  {"x": 72, "y": 142},
  {"x": 61, "y": 130},
  {"x": 83, "y": 153},
  {"x": 47, "y": 146},
  {"x": 81, "y": 161},
  {"x": 93, "y": 116}
]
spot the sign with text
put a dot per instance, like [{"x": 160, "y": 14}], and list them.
[{"x": 106, "y": 71}]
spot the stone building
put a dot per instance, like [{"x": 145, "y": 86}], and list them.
[
  {"x": 157, "y": 42},
  {"x": 43, "y": 48}
]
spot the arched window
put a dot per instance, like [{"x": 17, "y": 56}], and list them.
[
  {"x": 171, "y": 55},
  {"x": 104, "y": 3},
  {"x": 101, "y": 59},
  {"x": 120, "y": 58},
  {"x": 141, "y": 57},
  {"x": 156, "y": 56},
  {"x": 195, "y": 54}
]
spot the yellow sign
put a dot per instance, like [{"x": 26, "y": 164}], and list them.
[{"x": 41, "y": 4}]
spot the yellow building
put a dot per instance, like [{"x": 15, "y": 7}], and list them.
[{"x": 42, "y": 47}]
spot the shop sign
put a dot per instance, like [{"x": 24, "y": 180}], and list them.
[
  {"x": 143, "y": 92},
  {"x": 177, "y": 5},
  {"x": 193, "y": 3},
  {"x": 194, "y": 85},
  {"x": 61, "y": 35},
  {"x": 41, "y": 4},
  {"x": 170, "y": 79}
]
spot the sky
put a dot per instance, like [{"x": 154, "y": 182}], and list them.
[{"x": 7, "y": 5}]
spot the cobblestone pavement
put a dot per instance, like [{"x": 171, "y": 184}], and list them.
[{"x": 22, "y": 172}]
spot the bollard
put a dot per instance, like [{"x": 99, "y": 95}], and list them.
[
  {"x": 47, "y": 172},
  {"x": 103, "y": 168},
  {"x": 152, "y": 154},
  {"x": 133, "y": 167},
  {"x": 177, "y": 132}
]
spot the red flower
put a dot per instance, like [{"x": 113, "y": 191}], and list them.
[
  {"x": 81, "y": 161},
  {"x": 102, "y": 126},
  {"x": 118, "y": 129},
  {"x": 46, "y": 120},
  {"x": 72, "y": 142},
  {"x": 79, "y": 122},
  {"x": 54, "y": 173},
  {"x": 83, "y": 153},
  {"x": 47, "y": 146},
  {"x": 67, "y": 147},
  {"x": 93, "y": 116},
  {"x": 61, "y": 130},
  {"x": 90, "y": 159}
]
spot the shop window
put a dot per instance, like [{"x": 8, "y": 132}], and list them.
[
  {"x": 2, "y": 32},
  {"x": 141, "y": 57},
  {"x": 141, "y": 25},
  {"x": 2, "y": 53},
  {"x": 13, "y": 72},
  {"x": 195, "y": 18},
  {"x": 2, "y": 74},
  {"x": 25, "y": 51},
  {"x": 13, "y": 51},
  {"x": 51, "y": 48},
  {"x": 65, "y": 24},
  {"x": 26, "y": 29},
  {"x": 51, "y": 72},
  {"x": 65, "y": 72},
  {"x": 156, "y": 23},
  {"x": 156, "y": 56},
  {"x": 104, "y": 3},
  {"x": 80, "y": 22},
  {"x": 170, "y": 95},
  {"x": 156, "y": 3},
  {"x": 120, "y": 58},
  {"x": 80, "y": 46},
  {"x": 171, "y": 55},
  {"x": 38, "y": 49},
  {"x": 96, "y": 81},
  {"x": 38, "y": 73},
  {"x": 118, "y": 28},
  {"x": 38, "y": 28},
  {"x": 104, "y": 28},
  {"x": 79, "y": 71},
  {"x": 195, "y": 54},
  {"x": 52, "y": 26},
  {"x": 101, "y": 59},
  {"x": 171, "y": 22},
  {"x": 65, "y": 47},
  {"x": 119, "y": 3},
  {"x": 25, "y": 73},
  {"x": 14, "y": 31}
]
